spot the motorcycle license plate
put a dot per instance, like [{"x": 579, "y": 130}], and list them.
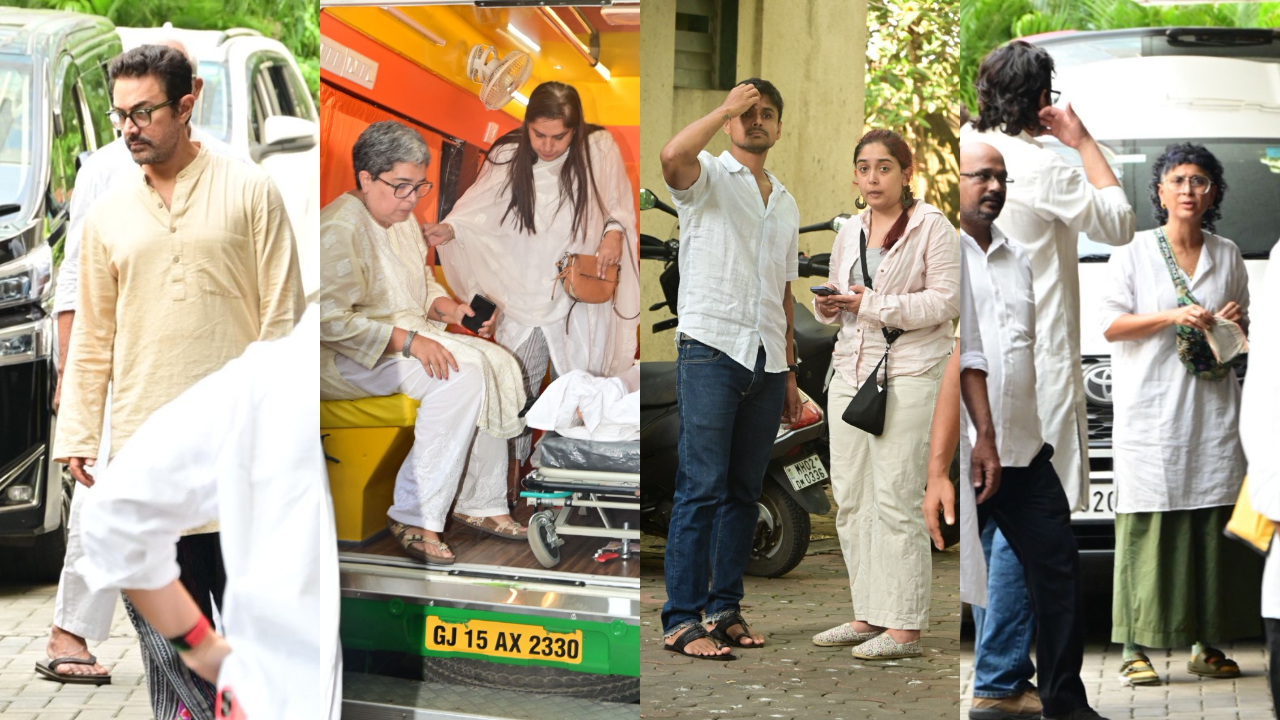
[
  {"x": 806, "y": 472},
  {"x": 504, "y": 640}
]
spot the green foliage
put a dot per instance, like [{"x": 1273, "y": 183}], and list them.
[
  {"x": 296, "y": 23},
  {"x": 987, "y": 24},
  {"x": 911, "y": 78}
]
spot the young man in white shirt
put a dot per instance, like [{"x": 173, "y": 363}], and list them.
[
  {"x": 1046, "y": 210},
  {"x": 81, "y": 615},
  {"x": 998, "y": 380},
  {"x": 739, "y": 247}
]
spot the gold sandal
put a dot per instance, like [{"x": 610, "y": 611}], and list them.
[
  {"x": 508, "y": 530},
  {"x": 407, "y": 540}
]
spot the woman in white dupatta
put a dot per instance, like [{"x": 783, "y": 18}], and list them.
[{"x": 554, "y": 185}]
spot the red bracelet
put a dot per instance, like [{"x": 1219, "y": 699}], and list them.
[{"x": 192, "y": 637}]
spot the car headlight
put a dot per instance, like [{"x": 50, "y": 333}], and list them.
[
  {"x": 26, "y": 279},
  {"x": 26, "y": 342}
]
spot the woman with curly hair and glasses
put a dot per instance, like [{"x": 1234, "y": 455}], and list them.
[{"x": 1178, "y": 459}]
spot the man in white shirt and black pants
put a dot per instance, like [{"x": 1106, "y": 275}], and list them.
[
  {"x": 739, "y": 247},
  {"x": 998, "y": 380}
]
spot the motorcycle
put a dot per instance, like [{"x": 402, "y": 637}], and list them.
[{"x": 799, "y": 466}]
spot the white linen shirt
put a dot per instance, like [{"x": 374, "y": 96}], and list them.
[
  {"x": 998, "y": 336},
  {"x": 737, "y": 254},
  {"x": 1049, "y": 204},
  {"x": 1260, "y": 423},
  {"x": 103, "y": 170},
  {"x": 239, "y": 447},
  {"x": 1176, "y": 438}
]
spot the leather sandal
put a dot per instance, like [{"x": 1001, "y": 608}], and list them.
[
  {"x": 508, "y": 530},
  {"x": 1213, "y": 663},
  {"x": 720, "y": 632},
  {"x": 695, "y": 632},
  {"x": 1138, "y": 671},
  {"x": 408, "y": 539}
]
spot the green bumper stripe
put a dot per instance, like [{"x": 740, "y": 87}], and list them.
[{"x": 607, "y": 648}]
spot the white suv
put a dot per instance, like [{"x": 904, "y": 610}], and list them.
[
  {"x": 255, "y": 100},
  {"x": 1138, "y": 91}
]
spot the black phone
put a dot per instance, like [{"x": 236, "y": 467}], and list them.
[
  {"x": 483, "y": 308},
  {"x": 821, "y": 290}
]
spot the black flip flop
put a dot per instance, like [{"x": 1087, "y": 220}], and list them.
[
  {"x": 46, "y": 668},
  {"x": 694, "y": 632},
  {"x": 720, "y": 632}
]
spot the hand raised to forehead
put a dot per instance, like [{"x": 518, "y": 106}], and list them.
[{"x": 741, "y": 98}]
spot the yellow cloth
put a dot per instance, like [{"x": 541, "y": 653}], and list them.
[
  {"x": 169, "y": 295},
  {"x": 373, "y": 280},
  {"x": 1248, "y": 525}
]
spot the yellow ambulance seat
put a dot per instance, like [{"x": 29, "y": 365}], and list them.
[{"x": 369, "y": 438}]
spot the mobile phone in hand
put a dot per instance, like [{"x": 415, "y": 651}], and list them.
[
  {"x": 821, "y": 290},
  {"x": 483, "y": 308}
]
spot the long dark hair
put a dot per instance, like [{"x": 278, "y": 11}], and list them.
[
  {"x": 901, "y": 152},
  {"x": 550, "y": 101}
]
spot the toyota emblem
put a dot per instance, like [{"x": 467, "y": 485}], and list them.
[{"x": 1097, "y": 383}]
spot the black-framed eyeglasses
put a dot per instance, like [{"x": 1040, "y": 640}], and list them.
[
  {"x": 140, "y": 117},
  {"x": 1053, "y": 96},
  {"x": 404, "y": 190},
  {"x": 986, "y": 177}
]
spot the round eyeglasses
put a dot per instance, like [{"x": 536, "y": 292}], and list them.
[
  {"x": 1198, "y": 184},
  {"x": 404, "y": 190},
  {"x": 140, "y": 117}
]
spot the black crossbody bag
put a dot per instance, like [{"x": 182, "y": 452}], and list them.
[{"x": 866, "y": 410}]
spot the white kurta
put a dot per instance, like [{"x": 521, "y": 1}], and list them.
[
  {"x": 517, "y": 270},
  {"x": 1260, "y": 422},
  {"x": 1176, "y": 437},
  {"x": 240, "y": 447},
  {"x": 1049, "y": 204}
]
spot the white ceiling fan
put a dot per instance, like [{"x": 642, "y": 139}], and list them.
[{"x": 499, "y": 79}]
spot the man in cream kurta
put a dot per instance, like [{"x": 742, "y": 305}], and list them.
[{"x": 184, "y": 264}]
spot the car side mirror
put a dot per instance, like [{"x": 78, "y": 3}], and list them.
[{"x": 285, "y": 133}]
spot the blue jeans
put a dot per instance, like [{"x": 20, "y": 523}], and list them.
[
  {"x": 729, "y": 418},
  {"x": 1002, "y": 654}
]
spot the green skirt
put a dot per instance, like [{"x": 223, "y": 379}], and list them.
[{"x": 1179, "y": 581}]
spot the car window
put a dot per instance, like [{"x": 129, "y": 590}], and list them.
[
  {"x": 15, "y": 131},
  {"x": 97, "y": 100},
  {"x": 1251, "y": 169},
  {"x": 275, "y": 89},
  {"x": 67, "y": 145},
  {"x": 213, "y": 112}
]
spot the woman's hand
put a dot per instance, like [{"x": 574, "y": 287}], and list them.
[
  {"x": 848, "y": 303},
  {"x": 435, "y": 359},
  {"x": 609, "y": 253},
  {"x": 437, "y": 233},
  {"x": 1231, "y": 312},
  {"x": 1192, "y": 316},
  {"x": 464, "y": 310},
  {"x": 825, "y": 303}
]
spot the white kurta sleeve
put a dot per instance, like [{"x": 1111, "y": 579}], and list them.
[
  {"x": 89, "y": 185},
  {"x": 1120, "y": 295},
  {"x": 615, "y": 188},
  {"x": 1104, "y": 214},
  {"x": 163, "y": 482},
  {"x": 972, "y": 354}
]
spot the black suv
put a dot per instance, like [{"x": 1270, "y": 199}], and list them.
[{"x": 53, "y": 105}]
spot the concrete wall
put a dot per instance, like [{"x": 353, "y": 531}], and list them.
[{"x": 814, "y": 51}]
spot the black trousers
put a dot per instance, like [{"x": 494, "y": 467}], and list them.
[
  {"x": 1031, "y": 509},
  {"x": 1273, "y": 656},
  {"x": 168, "y": 679}
]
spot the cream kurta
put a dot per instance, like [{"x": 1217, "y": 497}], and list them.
[
  {"x": 517, "y": 270},
  {"x": 373, "y": 280},
  {"x": 169, "y": 295}
]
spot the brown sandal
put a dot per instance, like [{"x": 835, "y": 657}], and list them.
[
  {"x": 509, "y": 530},
  {"x": 407, "y": 540}
]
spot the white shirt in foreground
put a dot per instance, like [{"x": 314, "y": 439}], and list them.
[
  {"x": 1176, "y": 438},
  {"x": 240, "y": 447},
  {"x": 1048, "y": 205},
  {"x": 737, "y": 255},
  {"x": 1260, "y": 422}
]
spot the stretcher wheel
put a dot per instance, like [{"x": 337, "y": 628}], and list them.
[{"x": 543, "y": 539}]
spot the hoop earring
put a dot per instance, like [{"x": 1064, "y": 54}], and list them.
[
  {"x": 908, "y": 199},
  {"x": 860, "y": 203}
]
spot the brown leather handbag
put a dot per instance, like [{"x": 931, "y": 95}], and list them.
[{"x": 581, "y": 281}]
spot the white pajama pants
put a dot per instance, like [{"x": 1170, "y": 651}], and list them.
[
  {"x": 76, "y": 609},
  {"x": 447, "y": 448},
  {"x": 878, "y": 483}
]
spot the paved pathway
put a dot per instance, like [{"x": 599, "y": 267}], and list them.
[
  {"x": 790, "y": 677},
  {"x": 25, "y": 614}
]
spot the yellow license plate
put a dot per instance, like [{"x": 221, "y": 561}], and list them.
[{"x": 504, "y": 640}]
